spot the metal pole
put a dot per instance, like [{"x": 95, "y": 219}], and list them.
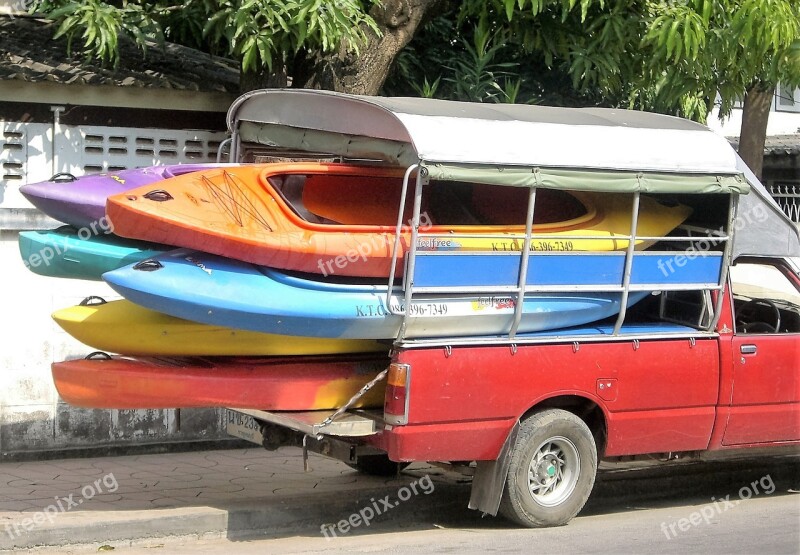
[
  {"x": 733, "y": 207},
  {"x": 233, "y": 154},
  {"x": 397, "y": 231},
  {"x": 58, "y": 139},
  {"x": 221, "y": 148},
  {"x": 523, "y": 264},
  {"x": 411, "y": 254},
  {"x": 626, "y": 279}
]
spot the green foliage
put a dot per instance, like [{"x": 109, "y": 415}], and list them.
[
  {"x": 476, "y": 75},
  {"x": 427, "y": 90},
  {"x": 791, "y": 61},
  {"x": 701, "y": 48},
  {"x": 258, "y": 32},
  {"x": 661, "y": 55},
  {"x": 469, "y": 63},
  {"x": 99, "y": 25},
  {"x": 479, "y": 55},
  {"x": 670, "y": 56},
  {"x": 678, "y": 32}
]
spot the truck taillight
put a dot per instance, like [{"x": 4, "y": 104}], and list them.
[{"x": 395, "y": 407}]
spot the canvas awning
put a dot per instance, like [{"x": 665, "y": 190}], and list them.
[
  {"x": 597, "y": 149},
  {"x": 762, "y": 227},
  {"x": 497, "y": 143}
]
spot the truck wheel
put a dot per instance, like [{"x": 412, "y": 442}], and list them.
[
  {"x": 552, "y": 471},
  {"x": 377, "y": 465}
]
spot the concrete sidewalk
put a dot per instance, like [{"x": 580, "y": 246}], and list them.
[
  {"x": 244, "y": 493},
  {"x": 225, "y": 493}
]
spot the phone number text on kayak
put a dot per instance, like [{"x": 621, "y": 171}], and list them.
[
  {"x": 417, "y": 309},
  {"x": 536, "y": 246}
]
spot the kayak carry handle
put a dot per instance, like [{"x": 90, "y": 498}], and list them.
[
  {"x": 63, "y": 177},
  {"x": 158, "y": 195},
  {"x": 148, "y": 265},
  {"x": 98, "y": 355},
  {"x": 93, "y": 300}
]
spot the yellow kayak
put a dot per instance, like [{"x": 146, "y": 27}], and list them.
[
  {"x": 126, "y": 328},
  {"x": 604, "y": 220}
]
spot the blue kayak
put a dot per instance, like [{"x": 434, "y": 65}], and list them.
[{"x": 215, "y": 290}]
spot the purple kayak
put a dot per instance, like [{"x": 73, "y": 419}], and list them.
[{"x": 81, "y": 201}]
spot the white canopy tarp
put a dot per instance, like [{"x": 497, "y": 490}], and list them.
[
  {"x": 614, "y": 149},
  {"x": 498, "y": 134}
]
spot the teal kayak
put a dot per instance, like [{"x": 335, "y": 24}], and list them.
[{"x": 66, "y": 253}]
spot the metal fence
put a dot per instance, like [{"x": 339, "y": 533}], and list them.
[{"x": 787, "y": 195}]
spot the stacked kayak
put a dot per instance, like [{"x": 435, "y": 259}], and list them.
[
  {"x": 81, "y": 201},
  {"x": 168, "y": 362},
  {"x": 69, "y": 253},
  {"x": 270, "y": 383},
  {"x": 123, "y": 327},
  {"x": 310, "y": 217},
  {"x": 86, "y": 247},
  {"x": 224, "y": 292},
  {"x": 266, "y": 286}
]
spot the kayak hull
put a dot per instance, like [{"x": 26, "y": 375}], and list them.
[
  {"x": 335, "y": 219},
  {"x": 81, "y": 202},
  {"x": 278, "y": 383},
  {"x": 225, "y": 292},
  {"x": 123, "y": 327},
  {"x": 69, "y": 253}
]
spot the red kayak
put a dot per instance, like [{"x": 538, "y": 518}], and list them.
[{"x": 271, "y": 383}]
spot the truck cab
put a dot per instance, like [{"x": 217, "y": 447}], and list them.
[{"x": 762, "y": 394}]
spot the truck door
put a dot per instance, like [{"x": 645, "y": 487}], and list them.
[{"x": 765, "y": 402}]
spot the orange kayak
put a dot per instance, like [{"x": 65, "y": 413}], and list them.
[
  {"x": 341, "y": 219},
  {"x": 275, "y": 383}
]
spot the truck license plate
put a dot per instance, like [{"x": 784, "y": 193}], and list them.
[{"x": 243, "y": 426}]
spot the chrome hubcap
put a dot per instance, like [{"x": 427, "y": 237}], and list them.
[{"x": 554, "y": 471}]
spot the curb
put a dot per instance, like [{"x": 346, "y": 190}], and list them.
[{"x": 306, "y": 514}]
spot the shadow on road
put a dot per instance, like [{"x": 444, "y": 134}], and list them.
[{"x": 445, "y": 506}]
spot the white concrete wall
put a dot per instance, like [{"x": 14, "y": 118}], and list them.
[
  {"x": 15, "y": 7},
  {"x": 784, "y": 119},
  {"x": 32, "y": 417},
  {"x": 33, "y": 152},
  {"x": 780, "y": 123}
]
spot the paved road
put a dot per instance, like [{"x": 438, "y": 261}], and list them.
[
  {"x": 748, "y": 508},
  {"x": 758, "y": 526}
]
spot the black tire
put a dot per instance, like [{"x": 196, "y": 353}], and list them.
[
  {"x": 553, "y": 490},
  {"x": 377, "y": 465}
]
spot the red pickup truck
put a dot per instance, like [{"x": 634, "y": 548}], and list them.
[
  {"x": 698, "y": 365},
  {"x": 539, "y": 416}
]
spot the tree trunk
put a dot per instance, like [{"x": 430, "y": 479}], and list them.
[
  {"x": 366, "y": 72},
  {"x": 753, "y": 135},
  {"x": 251, "y": 81}
]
